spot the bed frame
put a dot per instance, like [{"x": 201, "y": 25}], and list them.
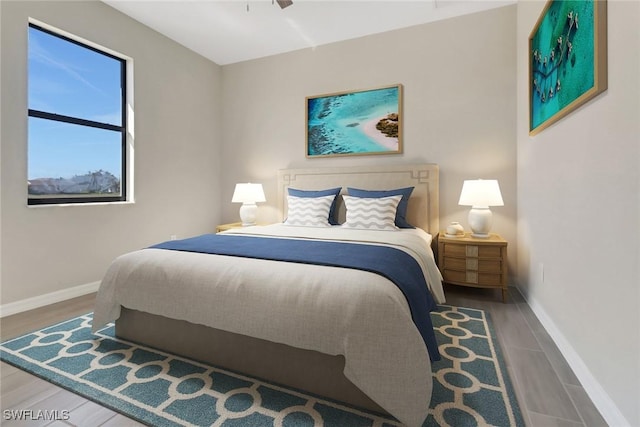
[{"x": 306, "y": 370}]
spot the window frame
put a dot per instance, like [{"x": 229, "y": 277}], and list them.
[{"x": 122, "y": 129}]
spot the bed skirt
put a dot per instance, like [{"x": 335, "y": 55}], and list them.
[{"x": 306, "y": 370}]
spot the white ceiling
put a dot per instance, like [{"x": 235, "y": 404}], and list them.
[{"x": 231, "y": 31}]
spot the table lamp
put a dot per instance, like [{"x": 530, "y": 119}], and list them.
[
  {"x": 480, "y": 194},
  {"x": 248, "y": 194}
]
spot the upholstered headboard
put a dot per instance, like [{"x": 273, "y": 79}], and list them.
[{"x": 423, "y": 204}]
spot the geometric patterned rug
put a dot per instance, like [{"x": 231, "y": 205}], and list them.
[{"x": 471, "y": 384}]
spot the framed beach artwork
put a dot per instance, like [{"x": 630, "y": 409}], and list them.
[
  {"x": 355, "y": 123},
  {"x": 567, "y": 59}
]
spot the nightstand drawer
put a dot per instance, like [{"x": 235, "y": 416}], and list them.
[
  {"x": 472, "y": 277},
  {"x": 476, "y": 251},
  {"x": 473, "y": 264}
]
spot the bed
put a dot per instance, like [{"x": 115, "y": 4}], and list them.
[{"x": 332, "y": 330}]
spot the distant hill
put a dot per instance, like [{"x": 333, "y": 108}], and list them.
[{"x": 99, "y": 182}]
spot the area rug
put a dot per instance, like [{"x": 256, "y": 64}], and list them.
[{"x": 471, "y": 384}]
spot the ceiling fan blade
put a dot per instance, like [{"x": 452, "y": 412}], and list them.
[{"x": 284, "y": 3}]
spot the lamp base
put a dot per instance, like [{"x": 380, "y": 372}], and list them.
[
  {"x": 480, "y": 236},
  {"x": 248, "y": 214},
  {"x": 480, "y": 221}
]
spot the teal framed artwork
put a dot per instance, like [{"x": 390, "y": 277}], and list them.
[
  {"x": 567, "y": 59},
  {"x": 355, "y": 123}
]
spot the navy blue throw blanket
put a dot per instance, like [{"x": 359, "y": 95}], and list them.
[{"x": 394, "y": 264}]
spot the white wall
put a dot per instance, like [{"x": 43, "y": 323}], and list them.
[
  {"x": 459, "y": 108},
  {"x": 177, "y": 145},
  {"x": 579, "y": 220}
]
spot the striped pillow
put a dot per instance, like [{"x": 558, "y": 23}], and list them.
[
  {"x": 371, "y": 213},
  {"x": 401, "y": 213},
  {"x": 333, "y": 212},
  {"x": 309, "y": 211}
]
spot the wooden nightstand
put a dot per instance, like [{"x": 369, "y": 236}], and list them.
[
  {"x": 471, "y": 261},
  {"x": 225, "y": 227}
]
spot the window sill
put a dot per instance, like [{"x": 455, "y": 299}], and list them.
[{"x": 58, "y": 205}]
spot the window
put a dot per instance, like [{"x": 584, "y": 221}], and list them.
[{"x": 77, "y": 121}]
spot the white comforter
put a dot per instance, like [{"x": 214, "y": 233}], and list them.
[{"x": 337, "y": 311}]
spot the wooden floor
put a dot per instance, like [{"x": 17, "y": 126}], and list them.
[{"x": 548, "y": 392}]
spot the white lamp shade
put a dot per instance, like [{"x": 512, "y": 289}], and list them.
[
  {"x": 481, "y": 193},
  {"x": 248, "y": 193}
]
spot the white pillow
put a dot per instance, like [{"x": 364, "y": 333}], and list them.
[
  {"x": 371, "y": 213},
  {"x": 309, "y": 211}
]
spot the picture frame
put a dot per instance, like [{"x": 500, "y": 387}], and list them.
[
  {"x": 357, "y": 122},
  {"x": 567, "y": 59}
]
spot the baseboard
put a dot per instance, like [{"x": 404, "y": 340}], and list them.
[
  {"x": 46, "y": 299},
  {"x": 600, "y": 398}
]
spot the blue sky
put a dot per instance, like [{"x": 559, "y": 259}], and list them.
[{"x": 68, "y": 79}]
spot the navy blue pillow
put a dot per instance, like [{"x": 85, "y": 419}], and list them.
[
  {"x": 401, "y": 212},
  {"x": 333, "y": 214}
]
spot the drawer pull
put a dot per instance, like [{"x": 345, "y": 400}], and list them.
[
  {"x": 472, "y": 264},
  {"x": 472, "y": 277},
  {"x": 472, "y": 250}
]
